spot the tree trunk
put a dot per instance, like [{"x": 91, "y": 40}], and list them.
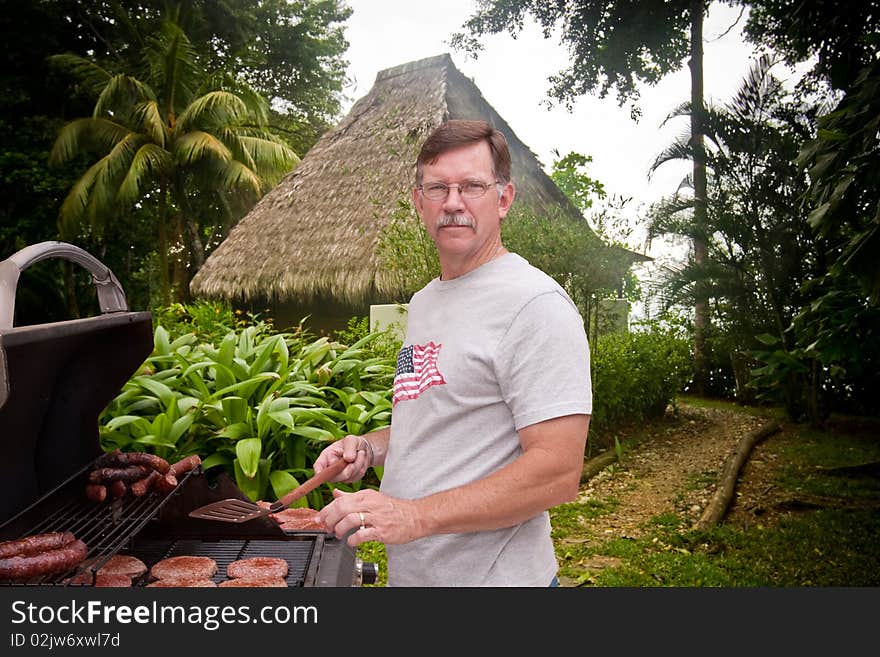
[
  {"x": 717, "y": 507},
  {"x": 164, "y": 282},
  {"x": 701, "y": 305}
]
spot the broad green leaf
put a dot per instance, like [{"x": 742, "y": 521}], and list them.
[
  {"x": 160, "y": 341},
  {"x": 315, "y": 433},
  {"x": 254, "y": 487},
  {"x": 284, "y": 418},
  {"x": 235, "y": 409},
  {"x": 125, "y": 420},
  {"x": 238, "y": 431},
  {"x": 249, "y": 451},
  {"x": 282, "y": 483},
  {"x": 181, "y": 426},
  {"x": 216, "y": 459},
  {"x": 155, "y": 441},
  {"x": 162, "y": 391}
]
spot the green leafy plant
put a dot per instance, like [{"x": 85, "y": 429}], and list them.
[{"x": 259, "y": 406}]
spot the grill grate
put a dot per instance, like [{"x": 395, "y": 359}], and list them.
[
  {"x": 297, "y": 552},
  {"x": 105, "y": 528}
]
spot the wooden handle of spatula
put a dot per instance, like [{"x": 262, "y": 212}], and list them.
[{"x": 309, "y": 485}]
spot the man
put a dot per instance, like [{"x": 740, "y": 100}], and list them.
[{"x": 492, "y": 395}]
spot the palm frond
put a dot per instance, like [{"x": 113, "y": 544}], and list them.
[
  {"x": 271, "y": 154},
  {"x": 195, "y": 145},
  {"x": 148, "y": 116},
  {"x": 235, "y": 174},
  {"x": 88, "y": 134},
  {"x": 215, "y": 108},
  {"x": 149, "y": 161},
  {"x": 72, "y": 208},
  {"x": 172, "y": 61},
  {"x": 121, "y": 91},
  {"x": 679, "y": 149},
  {"x": 683, "y": 109},
  {"x": 92, "y": 76}
]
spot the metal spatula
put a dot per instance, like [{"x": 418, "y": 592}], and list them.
[{"x": 233, "y": 510}]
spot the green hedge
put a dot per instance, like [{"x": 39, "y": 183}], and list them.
[{"x": 635, "y": 376}]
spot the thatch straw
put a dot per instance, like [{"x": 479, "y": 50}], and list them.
[{"x": 315, "y": 234}]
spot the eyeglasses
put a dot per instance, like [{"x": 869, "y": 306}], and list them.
[{"x": 438, "y": 191}]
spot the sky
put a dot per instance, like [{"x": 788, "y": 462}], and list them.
[{"x": 512, "y": 75}]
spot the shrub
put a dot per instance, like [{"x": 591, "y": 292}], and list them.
[{"x": 635, "y": 376}]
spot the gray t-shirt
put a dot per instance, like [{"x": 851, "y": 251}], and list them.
[{"x": 485, "y": 354}]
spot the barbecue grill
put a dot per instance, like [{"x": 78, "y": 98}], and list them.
[{"x": 55, "y": 380}]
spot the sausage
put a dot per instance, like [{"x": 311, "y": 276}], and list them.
[
  {"x": 185, "y": 465},
  {"x": 118, "y": 488},
  {"x": 142, "y": 486},
  {"x": 44, "y": 563},
  {"x": 109, "y": 475},
  {"x": 165, "y": 483},
  {"x": 30, "y": 545},
  {"x": 152, "y": 461},
  {"x": 120, "y": 459},
  {"x": 111, "y": 459},
  {"x": 96, "y": 492}
]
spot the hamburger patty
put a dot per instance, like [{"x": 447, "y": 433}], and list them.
[
  {"x": 123, "y": 564},
  {"x": 112, "y": 580},
  {"x": 299, "y": 519},
  {"x": 255, "y": 582},
  {"x": 258, "y": 567},
  {"x": 182, "y": 582},
  {"x": 184, "y": 567}
]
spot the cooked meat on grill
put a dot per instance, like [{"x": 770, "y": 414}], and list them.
[
  {"x": 96, "y": 492},
  {"x": 142, "y": 486},
  {"x": 166, "y": 483},
  {"x": 156, "y": 463},
  {"x": 258, "y": 567},
  {"x": 109, "y": 475},
  {"x": 45, "y": 563},
  {"x": 299, "y": 519},
  {"x": 185, "y": 465},
  {"x": 118, "y": 489},
  {"x": 253, "y": 582},
  {"x": 30, "y": 545},
  {"x": 123, "y": 564},
  {"x": 184, "y": 567},
  {"x": 101, "y": 580},
  {"x": 192, "y": 582}
]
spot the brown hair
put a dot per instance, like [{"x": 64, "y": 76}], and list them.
[{"x": 455, "y": 133}]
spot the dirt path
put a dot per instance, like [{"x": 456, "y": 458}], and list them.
[{"x": 673, "y": 470}]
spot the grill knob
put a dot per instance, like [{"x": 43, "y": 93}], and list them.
[{"x": 366, "y": 572}]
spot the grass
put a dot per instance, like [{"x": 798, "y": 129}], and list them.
[{"x": 831, "y": 541}]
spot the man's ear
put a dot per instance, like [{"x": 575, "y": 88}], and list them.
[{"x": 506, "y": 200}]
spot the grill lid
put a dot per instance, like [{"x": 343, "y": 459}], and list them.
[{"x": 56, "y": 379}]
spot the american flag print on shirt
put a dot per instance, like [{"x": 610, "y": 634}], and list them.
[{"x": 416, "y": 371}]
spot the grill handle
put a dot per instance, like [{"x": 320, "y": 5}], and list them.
[{"x": 111, "y": 298}]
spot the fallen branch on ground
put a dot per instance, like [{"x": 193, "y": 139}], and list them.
[
  {"x": 598, "y": 463},
  {"x": 718, "y": 505}
]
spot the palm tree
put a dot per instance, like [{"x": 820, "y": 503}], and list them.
[
  {"x": 163, "y": 137},
  {"x": 758, "y": 250}
]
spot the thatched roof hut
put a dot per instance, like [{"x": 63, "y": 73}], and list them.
[{"x": 315, "y": 235}]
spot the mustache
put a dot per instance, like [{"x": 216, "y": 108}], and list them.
[{"x": 454, "y": 220}]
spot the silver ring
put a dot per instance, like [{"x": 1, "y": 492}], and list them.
[{"x": 361, "y": 515}]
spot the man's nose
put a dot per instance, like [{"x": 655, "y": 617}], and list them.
[{"x": 453, "y": 199}]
